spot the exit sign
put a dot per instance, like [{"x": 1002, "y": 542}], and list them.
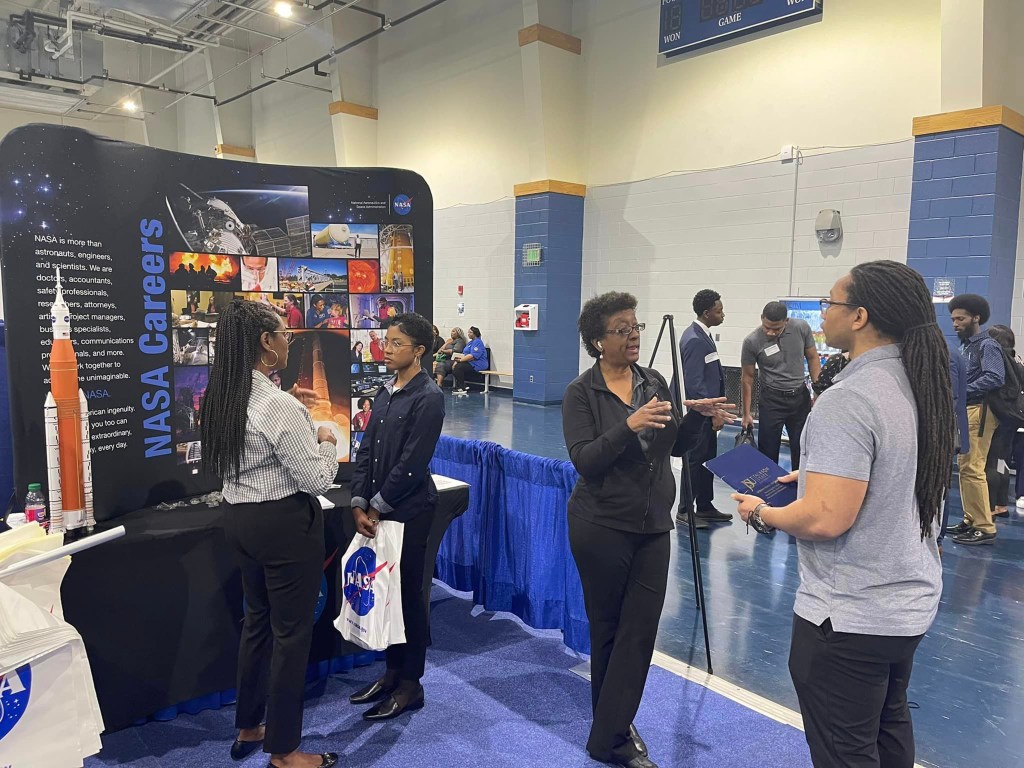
[{"x": 688, "y": 24}]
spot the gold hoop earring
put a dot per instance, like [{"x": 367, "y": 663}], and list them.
[{"x": 277, "y": 359}]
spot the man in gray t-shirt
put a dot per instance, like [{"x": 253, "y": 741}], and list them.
[
  {"x": 778, "y": 348},
  {"x": 866, "y": 518}
]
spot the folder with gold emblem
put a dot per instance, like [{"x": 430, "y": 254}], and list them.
[{"x": 747, "y": 470}]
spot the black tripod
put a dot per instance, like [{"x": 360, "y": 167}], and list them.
[{"x": 677, "y": 378}]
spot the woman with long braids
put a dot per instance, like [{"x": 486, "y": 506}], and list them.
[
  {"x": 876, "y": 463},
  {"x": 262, "y": 443}
]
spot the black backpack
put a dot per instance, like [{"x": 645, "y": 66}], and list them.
[{"x": 1007, "y": 402}]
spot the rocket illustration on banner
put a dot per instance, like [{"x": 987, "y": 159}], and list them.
[{"x": 66, "y": 420}]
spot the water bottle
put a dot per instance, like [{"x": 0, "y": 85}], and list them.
[{"x": 35, "y": 506}]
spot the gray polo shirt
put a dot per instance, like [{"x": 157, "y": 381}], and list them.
[
  {"x": 878, "y": 578},
  {"x": 780, "y": 359}
]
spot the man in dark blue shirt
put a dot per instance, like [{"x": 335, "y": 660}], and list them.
[{"x": 985, "y": 374}]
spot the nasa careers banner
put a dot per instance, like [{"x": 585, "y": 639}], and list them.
[{"x": 151, "y": 246}]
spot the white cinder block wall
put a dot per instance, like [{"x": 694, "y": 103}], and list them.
[
  {"x": 474, "y": 246},
  {"x": 732, "y": 230}
]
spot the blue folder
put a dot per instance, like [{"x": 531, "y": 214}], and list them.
[{"x": 749, "y": 471}]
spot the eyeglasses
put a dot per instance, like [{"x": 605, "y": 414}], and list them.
[
  {"x": 396, "y": 344},
  {"x": 289, "y": 336},
  {"x": 826, "y": 303},
  {"x": 628, "y": 329}
]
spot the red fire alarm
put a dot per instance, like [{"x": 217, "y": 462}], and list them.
[{"x": 460, "y": 290}]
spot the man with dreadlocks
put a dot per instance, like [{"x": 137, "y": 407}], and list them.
[
  {"x": 261, "y": 441},
  {"x": 877, "y": 460}
]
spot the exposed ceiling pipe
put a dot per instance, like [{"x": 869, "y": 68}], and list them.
[
  {"x": 321, "y": 6},
  {"x": 110, "y": 27},
  {"x": 339, "y": 51},
  {"x": 265, "y": 76},
  {"x": 270, "y": 47},
  {"x": 239, "y": 26}
]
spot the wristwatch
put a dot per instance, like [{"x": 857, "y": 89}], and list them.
[{"x": 754, "y": 520}]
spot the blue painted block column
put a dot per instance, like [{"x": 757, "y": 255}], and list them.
[
  {"x": 547, "y": 360},
  {"x": 964, "y": 213}
]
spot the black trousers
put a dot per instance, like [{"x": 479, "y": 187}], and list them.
[
  {"x": 459, "y": 372},
  {"x": 776, "y": 410},
  {"x": 1001, "y": 449},
  {"x": 701, "y": 490},
  {"x": 853, "y": 696},
  {"x": 624, "y": 578},
  {"x": 409, "y": 660},
  {"x": 279, "y": 546}
]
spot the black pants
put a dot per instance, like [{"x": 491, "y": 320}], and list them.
[
  {"x": 624, "y": 577},
  {"x": 279, "y": 546},
  {"x": 459, "y": 372},
  {"x": 701, "y": 489},
  {"x": 409, "y": 659},
  {"x": 1001, "y": 449},
  {"x": 853, "y": 696},
  {"x": 776, "y": 410}
]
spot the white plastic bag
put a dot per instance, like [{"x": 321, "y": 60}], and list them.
[{"x": 371, "y": 609}]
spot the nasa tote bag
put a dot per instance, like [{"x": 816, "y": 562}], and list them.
[{"x": 371, "y": 612}]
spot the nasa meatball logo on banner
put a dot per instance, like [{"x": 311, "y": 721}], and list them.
[
  {"x": 15, "y": 689},
  {"x": 403, "y": 205}
]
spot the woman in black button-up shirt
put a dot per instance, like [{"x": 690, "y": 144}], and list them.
[
  {"x": 621, "y": 428},
  {"x": 392, "y": 481}
]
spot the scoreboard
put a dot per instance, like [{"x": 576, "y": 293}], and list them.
[{"x": 688, "y": 24}]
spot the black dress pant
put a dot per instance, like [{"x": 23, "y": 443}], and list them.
[
  {"x": 1000, "y": 450},
  {"x": 279, "y": 546},
  {"x": 459, "y": 372},
  {"x": 408, "y": 660},
  {"x": 853, "y": 696},
  {"x": 701, "y": 490},
  {"x": 775, "y": 410},
  {"x": 624, "y": 578}
]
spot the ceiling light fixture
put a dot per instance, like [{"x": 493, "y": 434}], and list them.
[
  {"x": 129, "y": 106},
  {"x": 283, "y": 9}
]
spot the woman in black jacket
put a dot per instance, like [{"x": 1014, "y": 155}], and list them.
[{"x": 620, "y": 428}]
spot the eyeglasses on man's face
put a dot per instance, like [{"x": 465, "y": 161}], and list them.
[
  {"x": 826, "y": 303},
  {"x": 626, "y": 330}
]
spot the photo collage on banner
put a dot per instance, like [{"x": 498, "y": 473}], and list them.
[{"x": 334, "y": 285}]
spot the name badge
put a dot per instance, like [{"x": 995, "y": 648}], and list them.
[
  {"x": 772, "y": 350},
  {"x": 710, "y": 358}
]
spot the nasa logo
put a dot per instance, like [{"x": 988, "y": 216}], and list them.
[
  {"x": 359, "y": 574},
  {"x": 403, "y": 205},
  {"x": 15, "y": 689},
  {"x": 94, "y": 394}
]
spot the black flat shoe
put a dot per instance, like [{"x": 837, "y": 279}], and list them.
[
  {"x": 327, "y": 760},
  {"x": 712, "y": 515},
  {"x": 640, "y": 761},
  {"x": 683, "y": 519},
  {"x": 390, "y": 708},
  {"x": 373, "y": 692},
  {"x": 638, "y": 742},
  {"x": 242, "y": 749}
]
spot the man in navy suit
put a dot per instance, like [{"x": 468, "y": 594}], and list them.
[{"x": 702, "y": 377}]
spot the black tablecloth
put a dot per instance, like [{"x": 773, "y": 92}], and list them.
[{"x": 160, "y": 610}]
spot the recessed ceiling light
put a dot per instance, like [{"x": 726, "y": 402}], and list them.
[
  {"x": 283, "y": 9},
  {"x": 130, "y": 105}
]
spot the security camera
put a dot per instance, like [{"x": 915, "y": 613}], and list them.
[{"x": 828, "y": 226}]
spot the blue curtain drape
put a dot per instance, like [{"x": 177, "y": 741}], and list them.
[{"x": 511, "y": 547}]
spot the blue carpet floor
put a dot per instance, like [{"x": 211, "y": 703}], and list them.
[{"x": 497, "y": 695}]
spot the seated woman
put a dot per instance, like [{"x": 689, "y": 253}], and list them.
[
  {"x": 443, "y": 363},
  {"x": 474, "y": 358}
]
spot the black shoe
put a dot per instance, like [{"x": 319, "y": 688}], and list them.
[
  {"x": 959, "y": 528},
  {"x": 683, "y": 519},
  {"x": 712, "y": 515},
  {"x": 390, "y": 708},
  {"x": 375, "y": 691},
  {"x": 327, "y": 760},
  {"x": 638, "y": 742},
  {"x": 975, "y": 537},
  {"x": 640, "y": 761},
  {"x": 242, "y": 749}
]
